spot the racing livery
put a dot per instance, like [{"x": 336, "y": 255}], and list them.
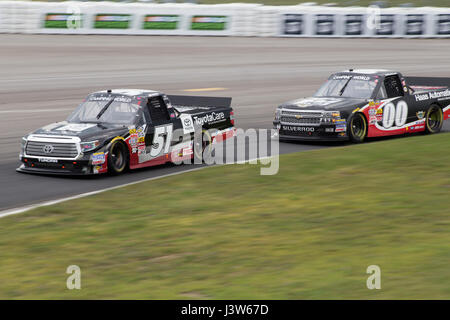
[
  {"x": 356, "y": 104},
  {"x": 114, "y": 130}
]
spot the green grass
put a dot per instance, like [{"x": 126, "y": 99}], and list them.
[{"x": 227, "y": 232}]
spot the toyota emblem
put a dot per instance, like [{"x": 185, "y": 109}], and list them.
[{"x": 48, "y": 148}]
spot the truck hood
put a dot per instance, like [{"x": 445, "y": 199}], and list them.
[
  {"x": 324, "y": 103},
  {"x": 85, "y": 131}
]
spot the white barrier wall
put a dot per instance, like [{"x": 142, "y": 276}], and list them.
[
  {"x": 298, "y": 21},
  {"x": 235, "y": 19}
]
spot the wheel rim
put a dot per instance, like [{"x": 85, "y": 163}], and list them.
[
  {"x": 434, "y": 119},
  {"x": 117, "y": 157},
  {"x": 358, "y": 127}
]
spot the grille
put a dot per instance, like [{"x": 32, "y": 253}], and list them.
[
  {"x": 302, "y": 118},
  {"x": 60, "y": 150}
]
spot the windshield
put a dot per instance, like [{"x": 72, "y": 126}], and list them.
[
  {"x": 347, "y": 87},
  {"x": 106, "y": 109}
]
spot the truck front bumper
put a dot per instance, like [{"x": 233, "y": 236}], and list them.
[
  {"x": 60, "y": 167},
  {"x": 328, "y": 132}
]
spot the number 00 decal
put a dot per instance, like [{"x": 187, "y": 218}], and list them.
[{"x": 395, "y": 114}]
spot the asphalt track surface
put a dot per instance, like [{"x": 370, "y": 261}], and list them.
[{"x": 44, "y": 77}]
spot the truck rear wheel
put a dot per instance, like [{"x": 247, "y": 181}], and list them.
[
  {"x": 202, "y": 148},
  {"x": 434, "y": 119}
]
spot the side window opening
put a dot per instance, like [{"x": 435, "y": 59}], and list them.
[
  {"x": 393, "y": 86},
  {"x": 158, "y": 109},
  {"x": 382, "y": 93}
]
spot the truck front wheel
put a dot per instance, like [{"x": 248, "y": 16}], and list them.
[
  {"x": 117, "y": 157},
  {"x": 357, "y": 127}
]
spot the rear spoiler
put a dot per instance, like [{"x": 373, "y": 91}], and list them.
[
  {"x": 198, "y": 101},
  {"x": 428, "y": 82}
]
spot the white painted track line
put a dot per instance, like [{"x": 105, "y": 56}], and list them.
[{"x": 14, "y": 211}]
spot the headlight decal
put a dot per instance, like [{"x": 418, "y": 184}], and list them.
[{"x": 89, "y": 146}]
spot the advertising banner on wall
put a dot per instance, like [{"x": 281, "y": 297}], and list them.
[
  {"x": 62, "y": 20},
  {"x": 161, "y": 22},
  {"x": 112, "y": 21},
  {"x": 293, "y": 24},
  {"x": 443, "y": 24},
  {"x": 354, "y": 24},
  {"x": 415, "y": 24},
  {"x": 209, "y": 23},
  {"x": 325, "y": 24},
  {"x": 386, "y": 25}
]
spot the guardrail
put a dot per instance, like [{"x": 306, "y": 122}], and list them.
[{"x": 236, "y": 19}]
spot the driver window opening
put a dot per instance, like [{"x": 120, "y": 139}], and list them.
[
  {"x": 393, "y": 86},
  {"x": 158, "y": 110}
]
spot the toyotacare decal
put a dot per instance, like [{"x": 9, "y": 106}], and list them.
[{"x": 210, "y": 118}]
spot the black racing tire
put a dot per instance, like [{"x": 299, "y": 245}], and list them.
[
  {"x": 199, "y": 149},
  {"x": 357, "y": 127},
  {"x": 118, "y": 158},
  {"x": 434, "y": 119}
]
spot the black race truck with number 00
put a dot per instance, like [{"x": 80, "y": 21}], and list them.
[
  {"x": 358, "y": 104},
  {"x": 120, "y": 129}
]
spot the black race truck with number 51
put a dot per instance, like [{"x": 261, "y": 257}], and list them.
[
  {"x": 115, "y": 130},
  {"x": 358, "y": 104}
]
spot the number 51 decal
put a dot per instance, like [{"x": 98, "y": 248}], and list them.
[
  {"x": 395, "y": 114},
  {"x": 161, "y": 140}
]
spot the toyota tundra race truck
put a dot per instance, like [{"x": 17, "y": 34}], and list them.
[
  {"x": 120, "y": 129},
  {"x": 358, "y": 104}
]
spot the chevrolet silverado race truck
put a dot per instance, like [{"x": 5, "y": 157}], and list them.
[
  {"x": 120, "y": 129},
  {"x": 358, "y": 104}
]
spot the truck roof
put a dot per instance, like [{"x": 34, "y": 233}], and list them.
[
  {"x": 129, "y": 92},
  {"x": 380, "y": 72}
]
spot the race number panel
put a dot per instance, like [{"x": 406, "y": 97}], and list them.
[
  {"x": 161, "y": 140},
  {"x": 395, "y": 114}
]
